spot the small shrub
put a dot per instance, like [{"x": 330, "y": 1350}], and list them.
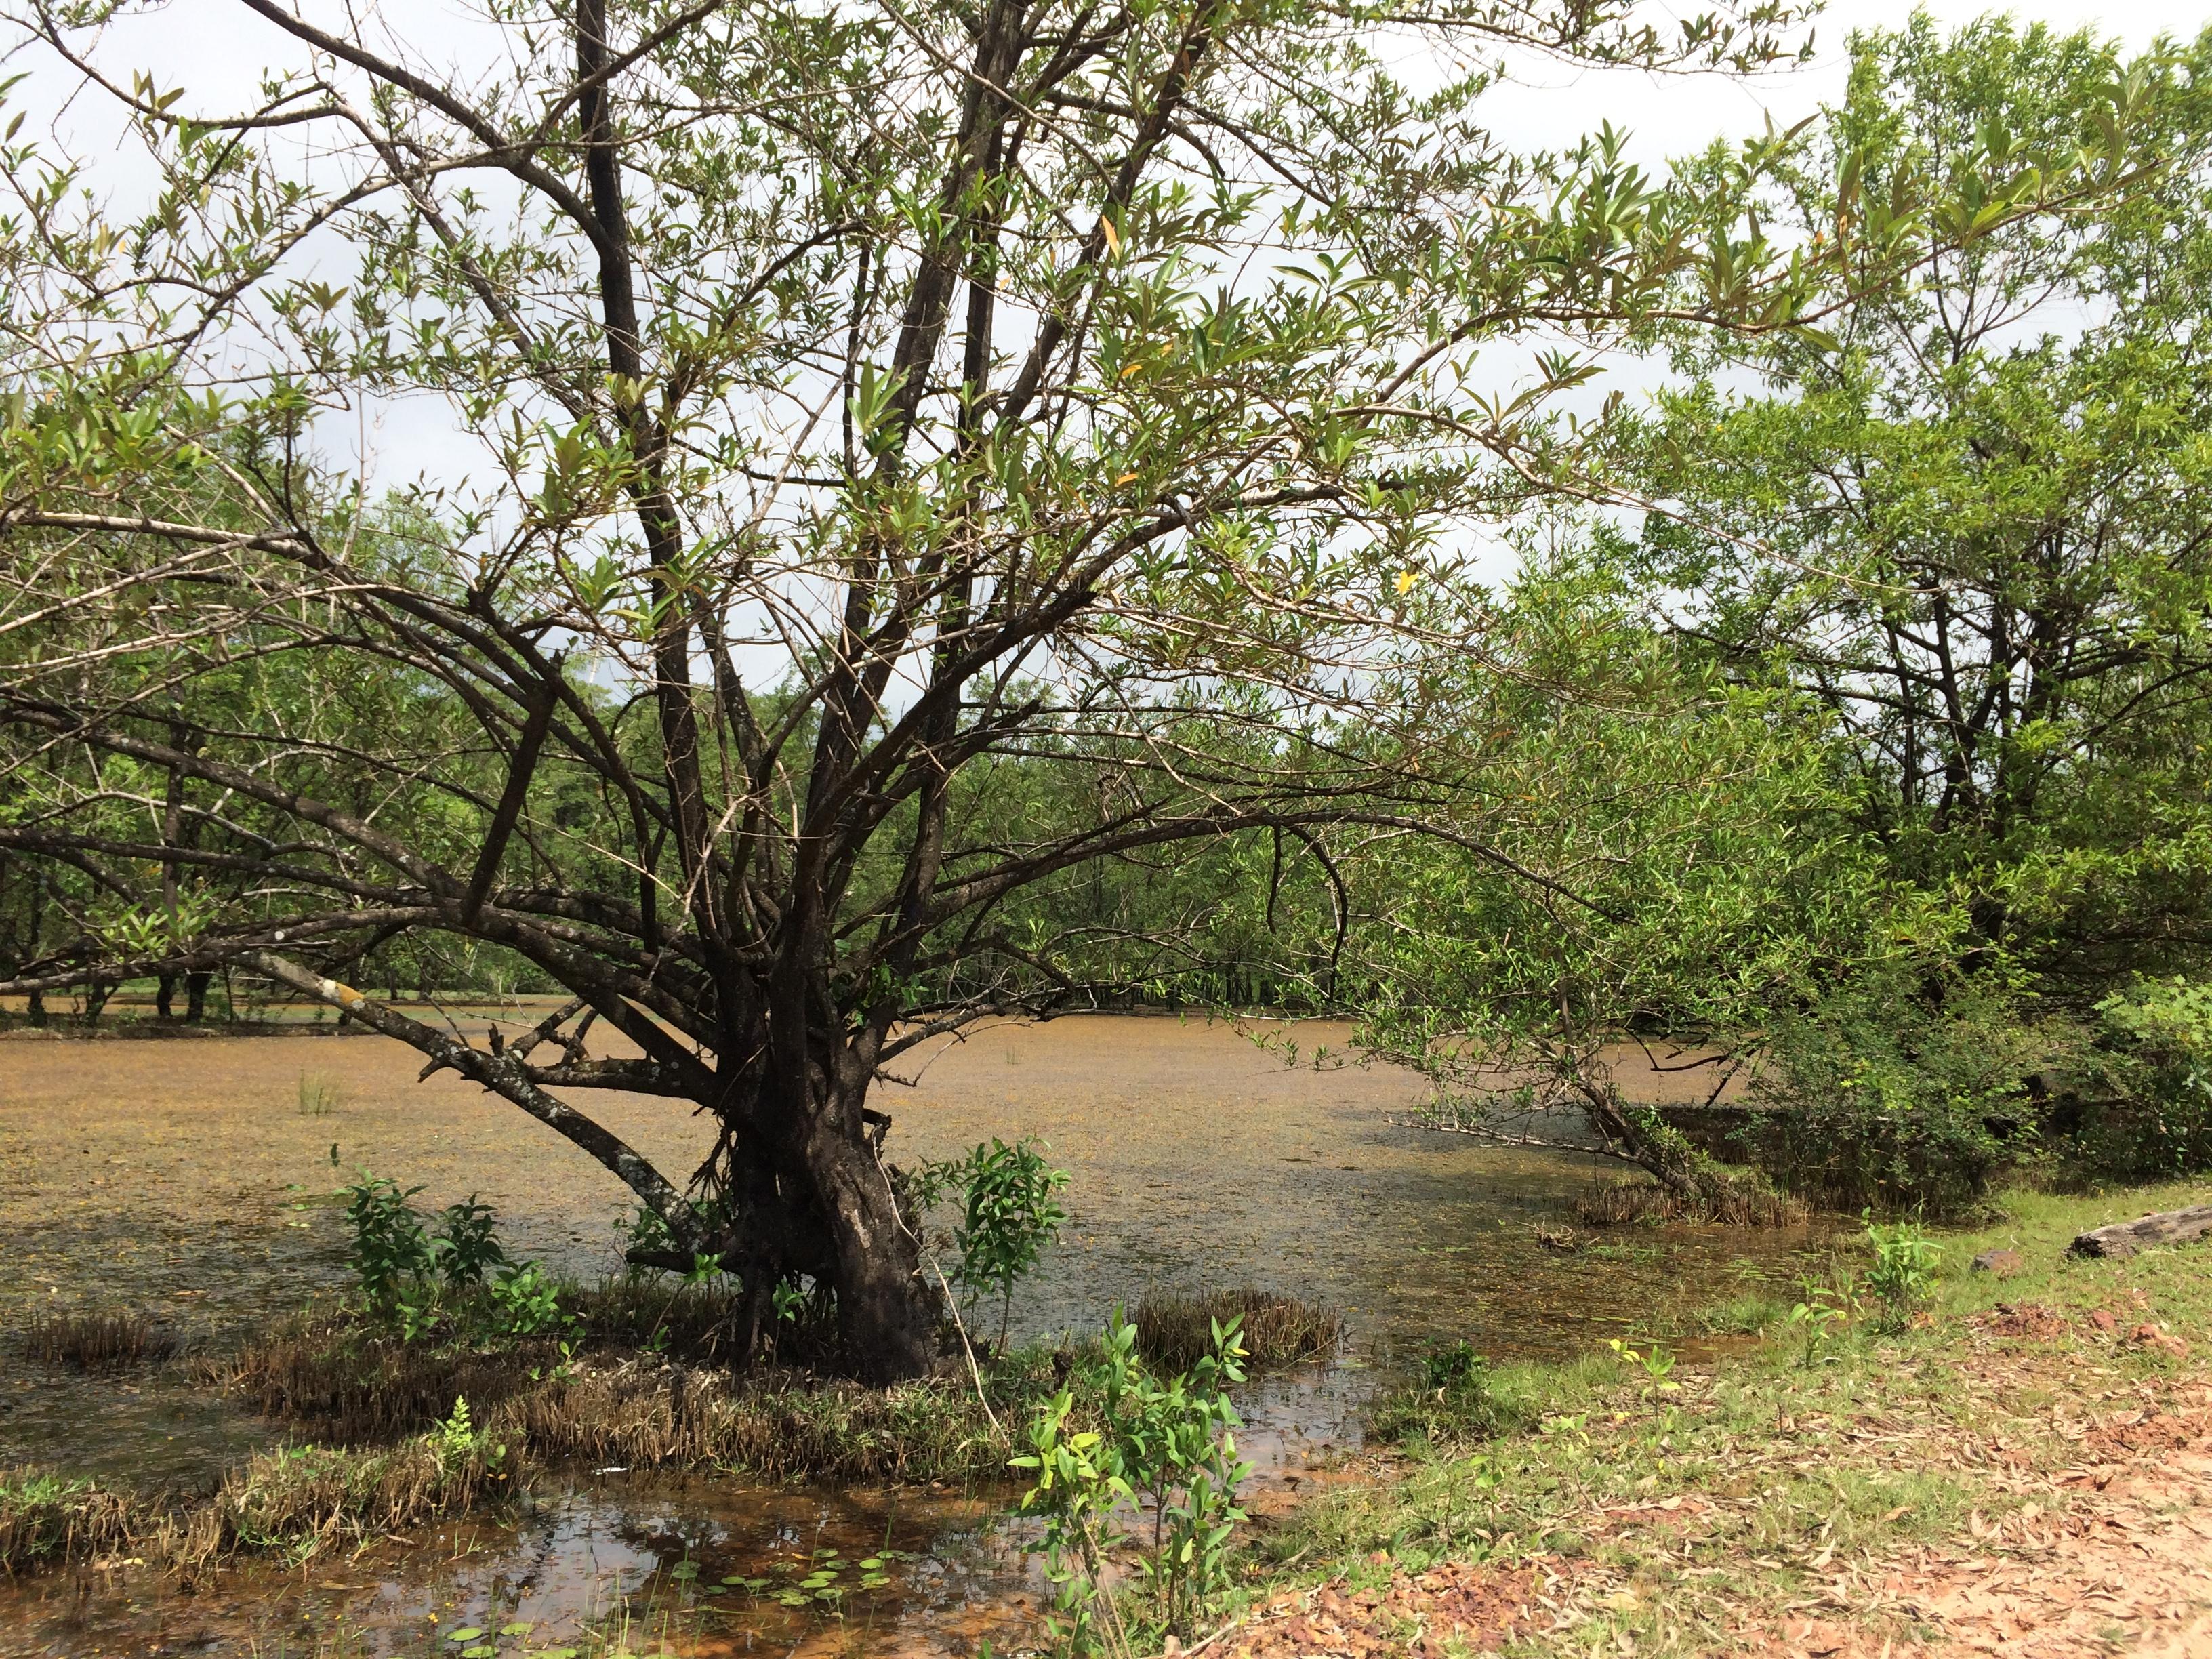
[
  {"x": 1903, "y": 1273},
  {"x": 526, "y": 1300},
  {"x": 466, "y": 1244},
  {"x": 1174, "y": 1333},
  {"x": 1170, "y": 1442},
  {"x": 99, "y": 1341},
  {"x": 390, "y": 1245},
  {"x": 1010, "y": 1211},
  {"x": 437, "y": 1287}
]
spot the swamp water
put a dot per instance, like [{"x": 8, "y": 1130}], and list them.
[{"x": 189, "y": 1176}]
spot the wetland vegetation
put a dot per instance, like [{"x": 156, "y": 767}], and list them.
[{"x": 1051, "y": 791}]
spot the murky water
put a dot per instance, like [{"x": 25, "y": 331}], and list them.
[{"x": 184, "y": 1176}]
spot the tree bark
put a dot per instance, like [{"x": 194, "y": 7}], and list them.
[
  {"x": 885, "y": 1311},
  {"x": 2125, "y": 1238}
]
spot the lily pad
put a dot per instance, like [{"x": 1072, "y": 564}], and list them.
[
  {"x": 684, "y": 1570},
  {"x": 519, "y": 1627},
  {"x": 481, "y": 1651},
  {"x": 871, "y": 1564},
  {"x": 465, "y": 1633}
]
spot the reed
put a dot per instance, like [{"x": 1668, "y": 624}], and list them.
[
  {"x": 111, "y": 1340},
  {"x": 1175, "y": 1332},
  {"x": 1735, "y": 1203}
]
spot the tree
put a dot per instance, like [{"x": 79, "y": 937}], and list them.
[
  {"x": 1978, "y": 531},
  {"x": 1665, "y": 857},
  {"x": 864, "y": 398}
]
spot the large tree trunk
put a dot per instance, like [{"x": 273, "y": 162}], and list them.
[{"x": 885, "y": 1311}]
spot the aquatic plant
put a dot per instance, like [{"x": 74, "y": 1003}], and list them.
[
  {"x": 97, "y": 1341},
  {"x": 594, "y": 1390},
  {"x": 319, "y": 1097},
  {"x": 45, "y": 1517},
  {"x": 1743, "y": 1202},
  {"x": 295, "y": 1501},
  {"x": 1175, "y": 1332}
]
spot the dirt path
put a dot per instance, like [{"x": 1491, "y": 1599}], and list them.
[{"x": 2116, "y": 1557}]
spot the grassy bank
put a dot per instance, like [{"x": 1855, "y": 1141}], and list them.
[{"x": 1634, "y": 1502}]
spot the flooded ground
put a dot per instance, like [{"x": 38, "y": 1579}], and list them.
[{"x": 191, "y": 1176}]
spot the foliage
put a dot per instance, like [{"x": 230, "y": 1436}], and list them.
[
  {"x": 1169, "y": 1445},
  {"x": 427, "y": 1286},
  {"x": 390, "y": 1246},
  {"x": 458, "y": 1443},
  {"x": 2146, "y": 1079},
  {"x": 1871, "y": 1097},
  {"x": 1903, "y": 1272},
  {"x": 1009, "y": 1211},
  {"x": 1697, "y": 873},
  {"x": 861, "y": 526},
  {"x": 1974, "y": 531},
  {"x": 466, "y": 1244}
]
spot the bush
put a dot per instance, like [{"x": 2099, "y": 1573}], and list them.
[
  {"x": 1885, "y": 1101},
  {"x": 429, "y": 1287},
  {"x": 2143, "y": 1104},
  {"x": 1903, "y": 1273},
  {"x": 1010, "y": 1211}
]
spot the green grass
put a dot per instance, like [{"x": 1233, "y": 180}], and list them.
[{"x": 1787, "y": 1465}]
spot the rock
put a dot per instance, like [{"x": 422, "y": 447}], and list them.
[
  {"x": 2003, "y": 1263},
  {"x": 2150, "y": 1336},
  {"x": 2104, "y": 1319},
  {"x": 2124, "y": 1238}
]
